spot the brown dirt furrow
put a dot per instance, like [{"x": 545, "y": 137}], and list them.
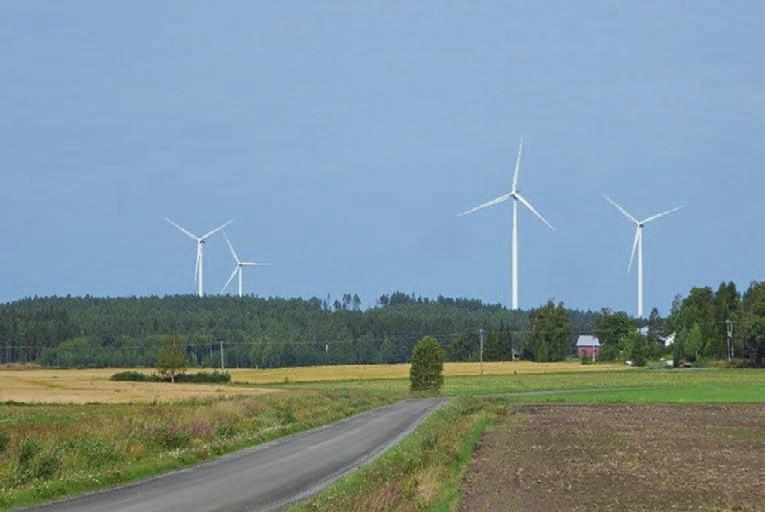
[{"x": 620, "y": 457}]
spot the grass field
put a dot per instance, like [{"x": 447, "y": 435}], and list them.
[{"x": 713, "y": 385}]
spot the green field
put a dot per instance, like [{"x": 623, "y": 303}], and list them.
[{"x": 629, "y": 385}]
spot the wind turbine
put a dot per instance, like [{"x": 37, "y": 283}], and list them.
[
  {"x": 200, "y": 240},
  {"x": 516, "y": 196},
  {"x": 638, "y": 244},
  {"x": 239, "y": 266}
]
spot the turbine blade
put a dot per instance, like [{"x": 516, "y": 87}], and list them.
[
  {"x": 528, "y": 205},
  {"x": 208, "y": 235},
  {"x": 230, "y": 279},
  {"x": 254, "y": 264},
  {"x": 626, "y": 214},
  {"x": 517, "y": 166},
  {"x": 189, "y": 233},
  {"x": 231, "y": 248},
  {"x": 638, "y": 234},
  {"x": 500, "y": 199},
  {"x": 662, "y": 214}
]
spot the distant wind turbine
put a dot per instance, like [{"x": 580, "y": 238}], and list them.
[
  {"x": 638, "y": 244},
  {"x": 200, "y": 240},
  {"x": 239, "y": 266},
  {"x": 516, "y": 196}
]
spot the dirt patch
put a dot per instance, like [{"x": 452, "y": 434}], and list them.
[{"x": 617, "y": 457}]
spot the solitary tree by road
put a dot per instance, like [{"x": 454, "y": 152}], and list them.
[
  {"x": 427, "y": 372},
  {"x": 171, "y": 360}
]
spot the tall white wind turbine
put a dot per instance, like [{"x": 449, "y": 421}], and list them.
[
  {"x": 638, "y": 245},
  {"x": 239, "y": 267},
  {"x": 200, "y": 240},
  {"x": 516, "y": 196}
]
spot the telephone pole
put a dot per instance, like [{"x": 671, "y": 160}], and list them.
[
  {"x": 221, "y": 356},
  {"x": 480, "y": 332},
  {"x": 729, "y": 332}
]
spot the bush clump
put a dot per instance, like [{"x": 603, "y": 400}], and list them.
[
  {"x": 214, "y": 377},
  {"x": 130, "y": 376},
  {"x": 28, "y": 448},
  {"x": 427, "y": 372}
]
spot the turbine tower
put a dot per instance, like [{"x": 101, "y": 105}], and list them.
[
  {"x": 516, "y": 196},
  {"x": 638, "y": 244},
  {"x": 200, "y": 240},
  {"x": 239, "y": 266}
]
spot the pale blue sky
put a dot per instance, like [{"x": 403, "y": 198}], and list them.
[{"x": 344, "y": 138}]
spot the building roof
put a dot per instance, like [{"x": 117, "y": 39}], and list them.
[{"x": 587, "y": 340}]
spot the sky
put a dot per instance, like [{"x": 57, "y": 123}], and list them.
[{"x": 344, "y": 137}]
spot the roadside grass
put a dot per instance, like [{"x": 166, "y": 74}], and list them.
[
  {"x": 53, "y": 451},
  {"x": 422, "y": 472}
]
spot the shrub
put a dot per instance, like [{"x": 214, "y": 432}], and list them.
[
  {"x": 28, "y": 448},
  {"x": 171, "y": 436},
  {"x": 427, "y": 372},
  {"x": 214, "y": 376},
  {"x": 46, "y": 465},
  {"x": 131, "y": 376},
  {"x": 5, "y": 441},
  {"x": 286, "y": 416}
]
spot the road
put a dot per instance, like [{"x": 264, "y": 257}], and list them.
[{"x": 266, "y": 477}]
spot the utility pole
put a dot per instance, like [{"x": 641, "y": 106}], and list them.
[
  {"x": 480, "y": 332},
  {"x": 729, "y": 332},
  {"x": 221, "y": 356}
]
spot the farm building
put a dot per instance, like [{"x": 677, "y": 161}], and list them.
[{"x": 587, "y": 345}]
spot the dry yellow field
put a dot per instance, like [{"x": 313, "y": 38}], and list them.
[
  {"x": 401, "y": 371},
  {"x": 82, "y": 386}
]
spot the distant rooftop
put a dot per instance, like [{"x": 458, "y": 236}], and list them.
[{"x": 587, "y": 340}]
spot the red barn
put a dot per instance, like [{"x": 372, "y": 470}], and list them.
[{"x": 587, "y": 346}]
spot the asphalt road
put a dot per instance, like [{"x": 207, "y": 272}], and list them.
[{"x": 269, "y": 476}]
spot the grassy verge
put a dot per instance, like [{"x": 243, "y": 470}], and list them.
[
  {"x": 422, "y": 472},
  {"x": 52, "y": 451}
]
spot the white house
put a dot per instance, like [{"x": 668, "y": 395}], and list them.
[{"x": 669, "y": 340}]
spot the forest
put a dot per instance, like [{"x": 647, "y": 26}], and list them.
[
  {"x": 276, "y": 332},
  {"x": 255, "y": 332}
]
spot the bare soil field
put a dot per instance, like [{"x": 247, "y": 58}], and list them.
[
  {"x": 620, "y": 457},
  {"x": 83, "y": 386}
]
